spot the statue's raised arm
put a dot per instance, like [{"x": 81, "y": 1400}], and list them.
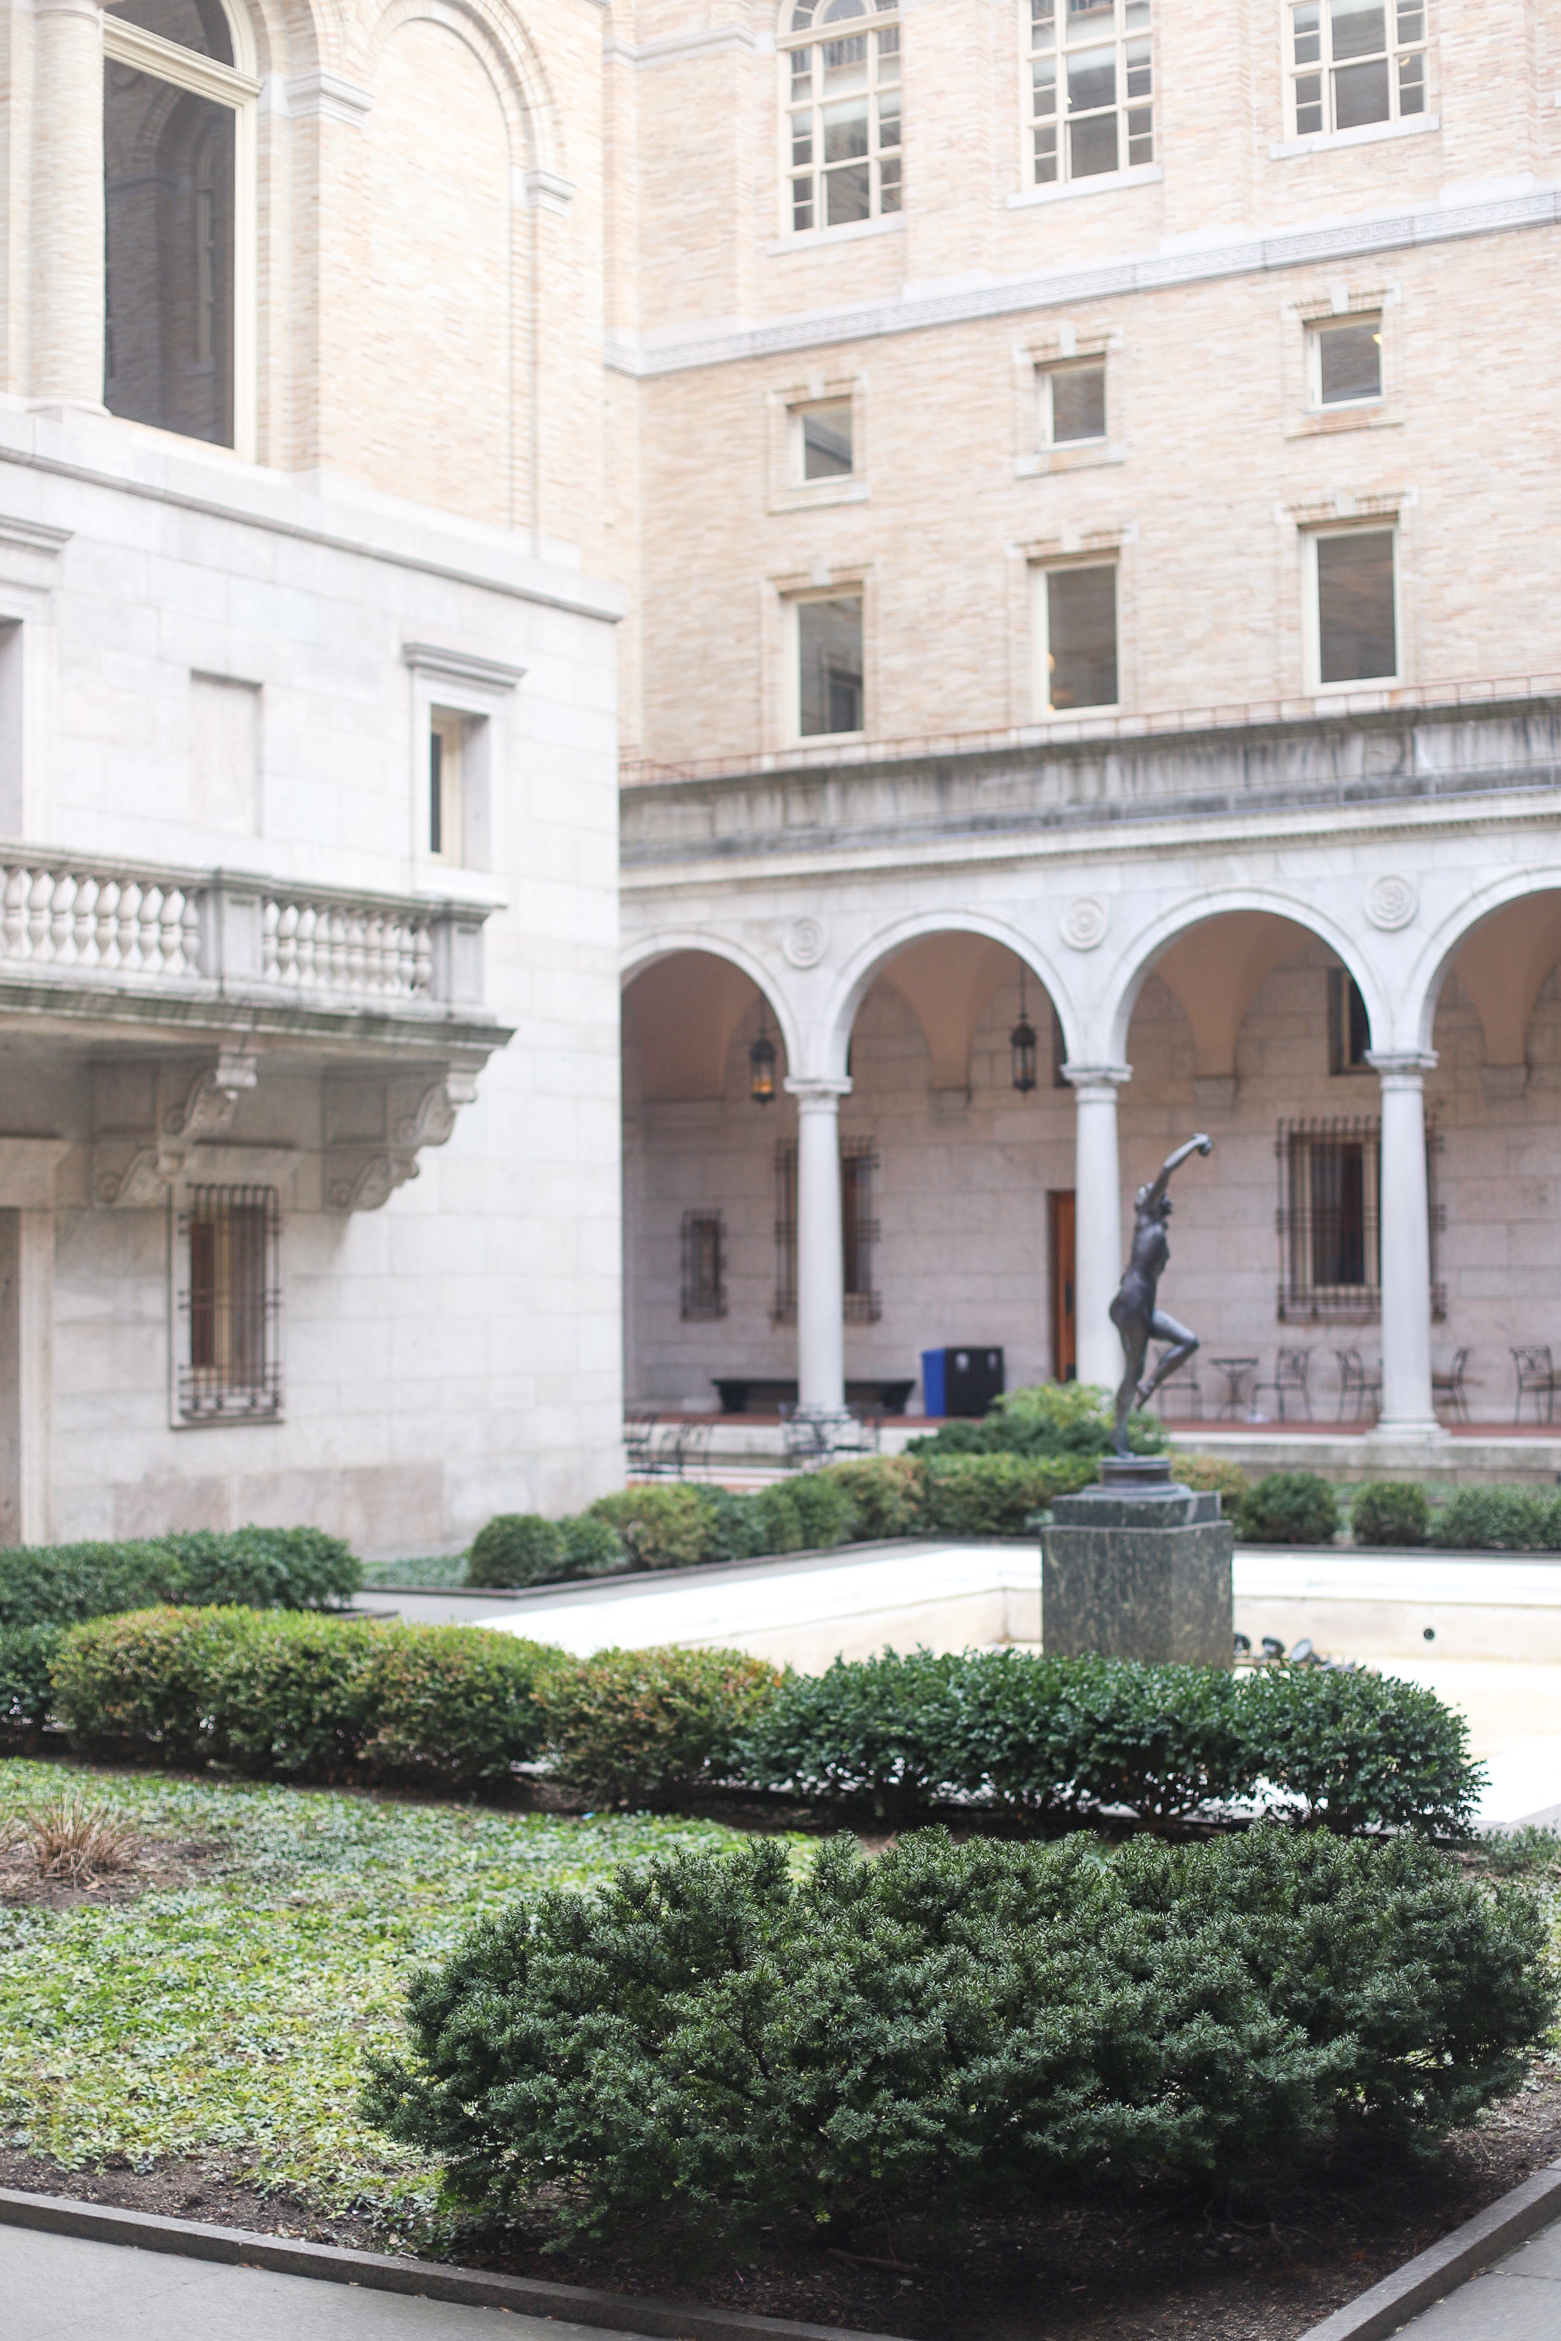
[{"x": 1135, "y": 1311}]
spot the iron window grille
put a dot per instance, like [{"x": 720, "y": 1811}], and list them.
[
  {"x": 858, "y": 1229},
  {"x": 704, "y": 1265},
  {"x": 783, "y": 1310},
  {"x": 1330, "y": 1220},
  {"x": 229, "y": 1302}
]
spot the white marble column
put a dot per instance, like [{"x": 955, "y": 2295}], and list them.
[
  {"x": 66, "y": 308},
  {"x": 1097, "y": 1219},
  {"x": 1405, "y": 1236},
  {"x": 821, "y": 1347}
]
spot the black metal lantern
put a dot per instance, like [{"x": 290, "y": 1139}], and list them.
[
  {"x": 761, "y": 1064},
  {"x": 1021, "y": 1043}
]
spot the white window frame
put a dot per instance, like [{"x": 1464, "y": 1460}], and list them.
[
  {"x": 878, "y": 16},
  {"x": 236, "y": 87},
  {"x": 475, "y": 693},
  {"x": 1383, "y": 524},
  {"x": 1395, "y": 14},
  {"x": 1132, "y": 22},
  {"x": 1316, "y": 328},
  {"x": 847, "y": 589},
  {"x": 796, "y": 420},
  {"x": 1040, "y": 644},
  {"x": 1045, "y": 379}
]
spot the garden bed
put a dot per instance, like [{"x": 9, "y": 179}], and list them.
[{"x": 194, "y": 2049}]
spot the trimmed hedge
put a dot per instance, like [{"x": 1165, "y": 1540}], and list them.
[
  {"x": 1390, "y": 1511},
  {"x": 711, "y": 2043},
  {"x": 265, "y": 1568},
  {"x": 294, "y": 1697},
  {"x": 1048, "y": 1737},
  {"x": 1043, "y": 1419},
  {"x": 646, "y": 1726},
  {"x": 1289, "y": 1507}
]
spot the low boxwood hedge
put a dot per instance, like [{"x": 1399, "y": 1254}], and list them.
[
  {"x": 265, "y": 1568},
  {"x": 638, "y": 1727},
  {"x": 712, "y": 2043}
]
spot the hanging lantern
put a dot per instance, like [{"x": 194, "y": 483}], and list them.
[
  {"x": 1021, "y": 1043},
  {"x": 761, "y": 1064}
]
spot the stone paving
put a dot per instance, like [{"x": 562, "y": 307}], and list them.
[{"x": 1519, "y": 2299}]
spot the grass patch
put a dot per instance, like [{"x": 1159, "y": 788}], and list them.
[
  {"x": 434, "y": 1573},
  {"x": 227, "y": 2020}
]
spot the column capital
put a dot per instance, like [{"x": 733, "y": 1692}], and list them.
[
  {"x": 1101, "y": 1077},
  {"x": 820, "y": 1094},
  {"x": 1402, "y": 1068}
]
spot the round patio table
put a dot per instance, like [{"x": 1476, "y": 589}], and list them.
[{"x": 1235, "y": 1371}]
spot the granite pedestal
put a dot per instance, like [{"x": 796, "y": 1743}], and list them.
[{"x": 1138, "y": 1567}]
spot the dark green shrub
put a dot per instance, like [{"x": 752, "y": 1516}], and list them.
[
  {"x": 452, "y": 1705},
  {"x": 885, "y": 1494},
  {"x": 26, "y": 1687},
  {"x": 1213, "y": 1475},
  {"x": 1390, "y": 1511},
  {"x": 591, "y": 1545},
  {"x": 661, "y": 1527},
  {"x": 735, "y": 1528},
  {"x": 1046, "y": 1419},
  {"x": 1359, "y": 1751},
  {"x": 291, "y": 1697},
  {"x": 1498, "y": 1520},
  {"x": 288, "y": 1568},
  {"x": 885, "y": 1729},
  {"x": 142, "y": 1680},
  {"x": 995, "y": 1495},
  {"x": 517, "y": 1548},
  {"x": 713, "y": 2043},
  {"x": 1289, "y": 1507},
  {"x": 1162, "y": 1740},
  {"x": 778, "y": 1518},
  {"x": 644, "y": 1726},
  {"x": 825, "y": 1512}
]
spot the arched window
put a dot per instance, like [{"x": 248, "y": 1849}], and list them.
[
  {"x": 178, "y": 157},
  {"x": 841, "y": 59},
  {"x": 1091, "y": 88}
]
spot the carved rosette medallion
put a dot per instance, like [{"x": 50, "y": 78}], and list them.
[
  {"x": 1084, "y": 922},
  {"x": 805, "y": 942},
  {"x": 1391, "y": 902}
]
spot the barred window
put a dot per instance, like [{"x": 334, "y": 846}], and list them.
[
  {"x": 858, "y": 1230},
  {"x": 1349, "y": 1026},
  {"x": 1356, "y": 61},
  {"x": 1091, "y": 88},
  {"x": 843, "y": 123},
  {"x": 1330, "y": 1219},
  {"x": 229, "y": 1305},
  {"x": 704, "y": 1265},
  {"x": 783, "y": 1310}
]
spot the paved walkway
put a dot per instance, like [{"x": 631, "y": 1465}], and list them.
[
  {"x": 63, "y": 2288},
  {"x": 1519, "y": 2299}
]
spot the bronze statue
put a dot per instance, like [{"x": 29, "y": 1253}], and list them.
[{"x": 1134, "y": 1312}]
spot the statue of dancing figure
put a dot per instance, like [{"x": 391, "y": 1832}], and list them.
[{"x": 1133, "y": 1312}]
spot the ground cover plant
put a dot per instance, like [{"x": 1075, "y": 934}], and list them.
[
  {"x": 717, "y": 2042},
  {"x": 226, "y": 2018}
]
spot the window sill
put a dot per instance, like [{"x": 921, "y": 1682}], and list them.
[
  {"x": 1083, "y": 457},
  {"x": 456, "y": 882},
  {"x": 1377, "y": 687},
  {"x": 1102, "y": 183},
  {"x": 1078, "y": 714},
  {"x": 819, "y": 493},
  {"x": 1323, "y": 423},
  {"x": 809, "y": 239},
  {"x": 1369, "y": 134},
  {"x": 829, "y": 739}
]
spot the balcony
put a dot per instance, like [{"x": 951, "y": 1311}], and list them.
[{"x": 182, "y": 987}]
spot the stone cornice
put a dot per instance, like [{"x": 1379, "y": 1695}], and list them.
[{"x": 1331, "y": 241}]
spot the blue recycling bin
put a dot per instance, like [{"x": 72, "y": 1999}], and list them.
[{"x": 932, "y": 1384}]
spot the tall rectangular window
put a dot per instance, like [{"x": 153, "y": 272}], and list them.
[
  {"x": 446, "y": 795},
  {"x": 1330, "y": 1220},
  {"x": 1353, "y": 62},
  {"x": 704, "y": 1266},
  {"x": 1075, "y": 624},
  {"x": 1345, "y": 361},
  {"x": 1356, "y": 615},
  {"x": 1091, "y": 88},
  {"x": 1349, "y": 1026},
  {"x": 783, "y": 1309},
  {"x": 843, "y": 118},
  {"x": 858, "y": 1229},
  {"x": 229, "y": 1303},
  {"x": 829, "y": 665}
]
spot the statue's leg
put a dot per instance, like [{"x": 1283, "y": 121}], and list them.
[
  {"x": 1182, "y": 1345},
  {"x": 1135, "y": 1348}
]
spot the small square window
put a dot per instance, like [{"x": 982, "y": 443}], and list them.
[
  {"x": 1346, "y": 361},
  {"x": 824, "y": 440},
  {"x": 829, "y": 666},
  {"x": 1357, "y": 628},
  {"x": 446, "y": 758},
  {"x": 1076, "y": 639},
  {"x": 1073, "y": 403}
]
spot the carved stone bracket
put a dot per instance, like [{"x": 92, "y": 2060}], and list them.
[
  {"x": 136, "y": 1170},
  {"x": 376, "y": 1129}
]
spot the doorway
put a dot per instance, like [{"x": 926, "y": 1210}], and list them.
[{"x": 1060, "y": 1220}]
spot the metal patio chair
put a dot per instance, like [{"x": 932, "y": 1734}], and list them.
[
  {"x": 1448, "y": 1389},
  {"x": 1360, "y": 1386},
  {"x": 1289, "y": 1385},
  {"x": 1536, "y": 1375}
]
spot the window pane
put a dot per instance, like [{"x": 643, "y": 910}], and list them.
[
  {"x": 845, "y": 132},
  {"x": 1308, "y": 34},
  {"x": 1411, "y": 84},
  {"x": 1338, "y": 1168},
  {"x": 168, "y": 194},
  {"x": 201, "y": 25},
  {"x": 1078, "y": 403},
  {"x": 829, "y": 651},
  {"x": 1092, "y": 145},
  {"x": 847, "y": 195},
  {"x": 845, "y": 66},
  {"x": 1350, "y": 361},
  {"x": 1357, "y": 639},
  {"x": 1081, "y": 637},
  {"x": 1360, "y": 94},
  {"x": 1092, "y": 80},
  {"x": 826, "y": 440},
  {"x": 1359, "y": 27},
  {"x": 1043, "y": 23}
]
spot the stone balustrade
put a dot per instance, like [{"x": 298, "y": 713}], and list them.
[{"x": 214, "y": 930}]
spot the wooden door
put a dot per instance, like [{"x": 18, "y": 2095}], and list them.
[{"x": 1065, "y": 1351}]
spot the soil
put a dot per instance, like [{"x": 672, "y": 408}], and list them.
[
  {"x": 150, "y": 1864},
  {"x": 1129, "y": 2264}
]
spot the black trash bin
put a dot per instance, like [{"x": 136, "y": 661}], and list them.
[{"x": 972, "y": 1379}]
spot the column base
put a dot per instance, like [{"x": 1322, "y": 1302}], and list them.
[{"x": 1396, "y": 1437}]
